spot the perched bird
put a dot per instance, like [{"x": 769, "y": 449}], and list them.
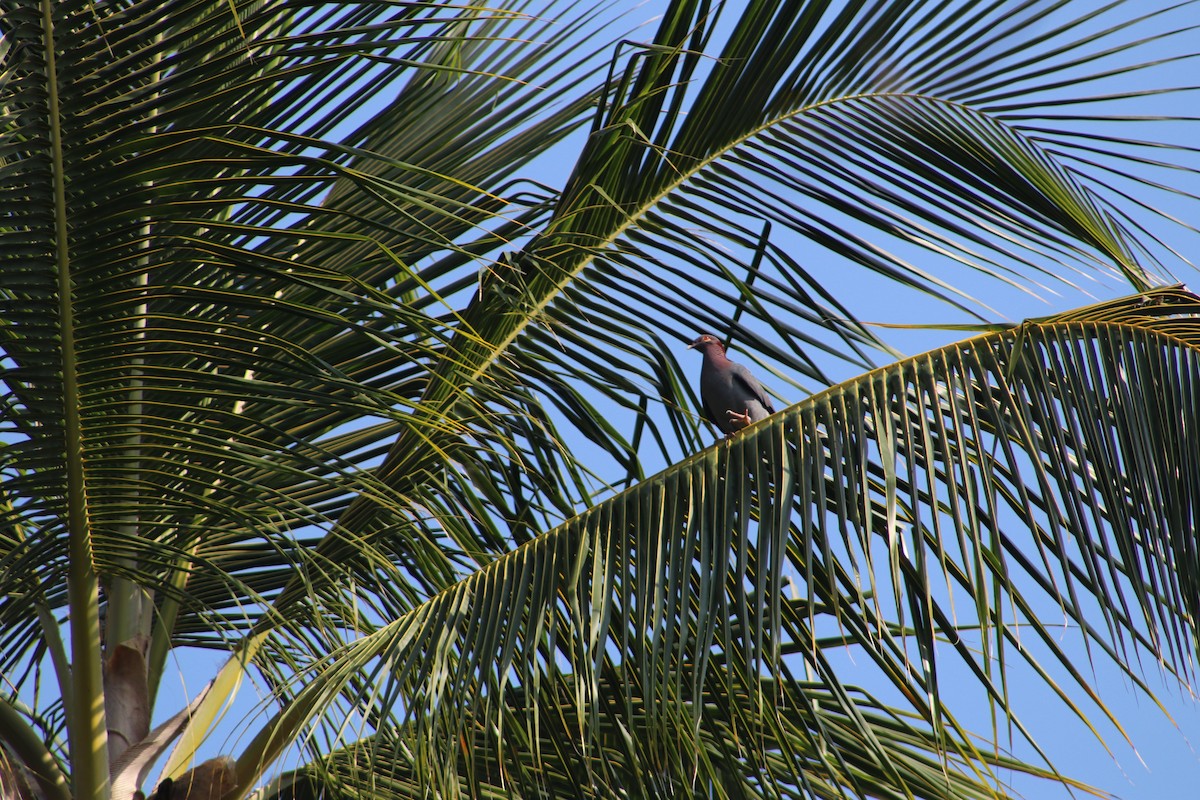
[{"x": 732, "y": 397}]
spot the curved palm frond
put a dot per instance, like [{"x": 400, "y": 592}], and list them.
[
  {"x": 241, "y": 248},
  {"x": 865, "y": 137},
  {"x": 818, "y": 752},
  {"x": 186, "y": 367},
  {"x": 922, "y": 512},
  {"x": 871, "y": 131}
]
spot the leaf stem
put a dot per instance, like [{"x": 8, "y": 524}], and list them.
[{"x": 88, "y": 734}]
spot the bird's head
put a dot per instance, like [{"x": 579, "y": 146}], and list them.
[{"x": 706, "y": 342}]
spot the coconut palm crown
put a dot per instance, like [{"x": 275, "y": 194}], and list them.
[{"x": 347, "y": 340}]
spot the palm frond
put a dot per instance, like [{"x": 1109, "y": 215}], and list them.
[
  {"x": 924, "y": 512},
  {"x": 722, "y": 151},
  {"x": 287, "y": 340},
  {"x": 816, "y": 752},
  {"x": 171, "y": 318}
]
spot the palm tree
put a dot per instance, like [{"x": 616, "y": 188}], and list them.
[{"x": 343, "y": 339}]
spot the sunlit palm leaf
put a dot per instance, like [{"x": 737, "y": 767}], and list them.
[
  {"x": 872, "y": 133},
  {"x": 817, "y": 751},
  {"x": 903, "y": 505},
  {"x": 223, "y": 308},
  {"x": 198, "y": 361},
  {"x": 851, "y": 158}
]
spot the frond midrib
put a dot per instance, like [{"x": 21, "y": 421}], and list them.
[
  {"x": 89, "y": 748},
  {"x": 700, "y": 165}
]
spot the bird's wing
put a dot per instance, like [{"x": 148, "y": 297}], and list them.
[
  {"x": 750, "y": 384},
  {"x": 710, "y": 414}
]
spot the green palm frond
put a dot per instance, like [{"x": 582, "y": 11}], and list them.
[
  {"x": 172, "y": 321},
  {"x": 924, "y": 510},
  {"x": 230, "y": 303},
  {"x": 868, "y": 157},
  {"x": 816, "y": 750},
  {"x": 722, "y": 148},
  {"x": 294, "y": 353}
]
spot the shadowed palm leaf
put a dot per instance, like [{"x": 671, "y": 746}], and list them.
[{"x": 904, "y": 507}]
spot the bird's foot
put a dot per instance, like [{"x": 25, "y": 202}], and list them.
[{"x": 739, "y": 420}]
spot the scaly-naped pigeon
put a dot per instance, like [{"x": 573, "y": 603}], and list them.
[{"x": 732, "y": 397}]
